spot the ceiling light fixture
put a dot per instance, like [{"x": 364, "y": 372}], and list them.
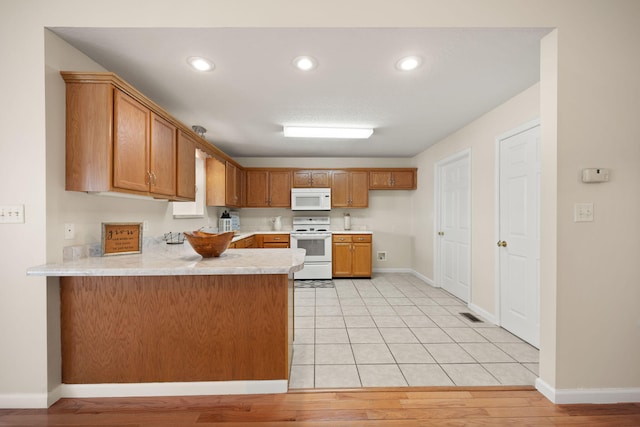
[
  {"x": 409, "y": 63},
  {"x": 315, "y": 132},
  {"x": 305, "y": 63},
  {"x": 199, "y": 63}
]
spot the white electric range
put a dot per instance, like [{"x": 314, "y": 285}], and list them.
[{"x": 313, "y": 234}]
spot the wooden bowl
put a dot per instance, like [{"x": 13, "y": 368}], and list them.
[{"x": 209, "y": 245}]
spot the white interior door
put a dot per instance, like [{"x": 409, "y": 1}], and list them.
[
  {"x": 519, "y": 239},
  {"x": 453, "y": 225}
]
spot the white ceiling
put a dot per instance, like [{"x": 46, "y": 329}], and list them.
[{"x": 255, "y": 90}]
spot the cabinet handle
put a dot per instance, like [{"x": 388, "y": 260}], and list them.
[
  {"x": 155, "y": 179},
  {"x": 276, "y": 238},
  {"x": 148, "y": 180}
]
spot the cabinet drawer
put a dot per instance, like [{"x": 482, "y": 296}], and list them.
[
  {"x": 276, "y": 238},
  {"x": 349, "y": 238},
  {"x": 361, "y": 238},
  {"x": 341, "y": 238}
]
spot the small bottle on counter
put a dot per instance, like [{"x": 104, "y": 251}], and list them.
[{"x": 347, "y": 221}]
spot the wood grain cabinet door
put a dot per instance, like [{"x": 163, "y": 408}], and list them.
[
  {"x": 232, "y": 195},
  {"x": 130, "y": 144},
  {"x": 340, "y": 189},
  {"x": 257, "y": 189},
  {"x": 302, "y": 179},
  {"x": 162, "y": 157},
  {"x": 361, "y": 266},
  {"x": 404, "y": 180},
  {"x": 186, "y": 167},
  {"x": 359, "y": 189},
  {"x": 279, "y": 189}
]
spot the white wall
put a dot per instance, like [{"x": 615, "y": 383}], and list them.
[
  {"x": 592, "y": 273},
  {"x": 480, "y": 137}
]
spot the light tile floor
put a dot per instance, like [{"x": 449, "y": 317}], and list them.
[{"x": 396, "y": 330}]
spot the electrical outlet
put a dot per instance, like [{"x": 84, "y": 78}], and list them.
[
  {"x": 382, "y": 255},
  {"x": 69, "y": 231},
  {"x": 145, "y": 225},
  {"x": 12, "y": 214}
]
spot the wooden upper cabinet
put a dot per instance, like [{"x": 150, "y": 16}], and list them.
[
  {"x": 311, "y": 179},
  {"x": 233, "y": 186},
  {"x": 130, "y": 144},
  {"x": 224, "y": 183},
  {"x": 349, "y": 189},
  {"x": 268, "y": 188},
  {"x": 257, "y": 188},
  {"x": 144, "y": 148},
  {"x": 186, "y": 167},
  {"x": 162, "y": 157},
  {"x": 280, "y": 189},
  {"x": 393, "y": 179},
  {"x": 216, "y": 181},
  {"x": 118, "y": 140}
]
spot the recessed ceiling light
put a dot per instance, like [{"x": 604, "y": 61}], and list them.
[
  {"x": 409, "y": 63},
  {"x": 325, "y": 132},
  {"x": 305, "y": 63},
  {"x": 201, "y": 64}
]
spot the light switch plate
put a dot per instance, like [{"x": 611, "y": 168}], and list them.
[
  {"x": 583, "y": 212},
  {"x": 12, "y": 214}
]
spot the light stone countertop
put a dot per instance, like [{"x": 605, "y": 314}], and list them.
[
  {"x": 244, "y": 234},
  {"x": 168, "y": 260}
]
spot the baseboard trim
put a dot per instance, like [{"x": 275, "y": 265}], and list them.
[
  {"x": 23, "y": 401},
  {"x": 392, "y": 270},
  {"x": 483, "y": 313},
  {"x": 174, "y": 389},
  {"x": 591, "y": 395},
  {"x": 424, "y": 278}
]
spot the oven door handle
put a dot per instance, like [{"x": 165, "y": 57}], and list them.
[{"x": 310, "y": 236}]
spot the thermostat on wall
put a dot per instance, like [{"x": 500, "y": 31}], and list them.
[{"x": 595, "y": 175}]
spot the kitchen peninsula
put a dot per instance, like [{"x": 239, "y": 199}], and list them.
[{"x": 169, "y": 316}]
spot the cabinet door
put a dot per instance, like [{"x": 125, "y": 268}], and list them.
[
  {"x": 341, "y": 264},
  {"x": 280, "y": 189},
  {"x": 162, "y": 157},
  {"x": 320, "y": 179},
  {"x": 359, "y": 189},
  {"x": 379, "y": 179},
  {"x": 340, "y": 189},
  {"x": 361, "y": 266},
  {"x": 130, "y": 144},
  {"x": 257, "y": 189},
  {"x": 404, "y": 180},
  {"x": 186, "y": 167},
  {"x": 232, "y": 194},
  {"x": 216, "y": 182},
  {"x": 301, "y": 179}
]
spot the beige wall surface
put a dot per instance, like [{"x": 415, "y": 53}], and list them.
[
  {"x": 480, "y": 137},
  {"x": 591, "y": 293}
]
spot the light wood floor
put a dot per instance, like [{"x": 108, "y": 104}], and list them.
[{"x": 487, "y": 406}]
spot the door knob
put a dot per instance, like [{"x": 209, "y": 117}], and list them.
[{"x": 502, "y": 243}]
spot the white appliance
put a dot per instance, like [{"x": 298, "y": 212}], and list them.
[
  {"x": 310, "y": 199},
  {"x": 313, "y": 235}
]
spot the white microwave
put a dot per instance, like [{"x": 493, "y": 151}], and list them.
[{"x": 311, "y": 199}]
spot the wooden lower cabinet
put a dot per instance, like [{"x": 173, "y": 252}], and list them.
[
  {"x": 351, "y": 256},
  {"x": 275, "y": 240},
  {"x": 247, "y": 242},
  {"x": 176, "y": 328}
]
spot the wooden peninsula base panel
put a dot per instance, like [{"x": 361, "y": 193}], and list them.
[{"x": 138, "y": 329}]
